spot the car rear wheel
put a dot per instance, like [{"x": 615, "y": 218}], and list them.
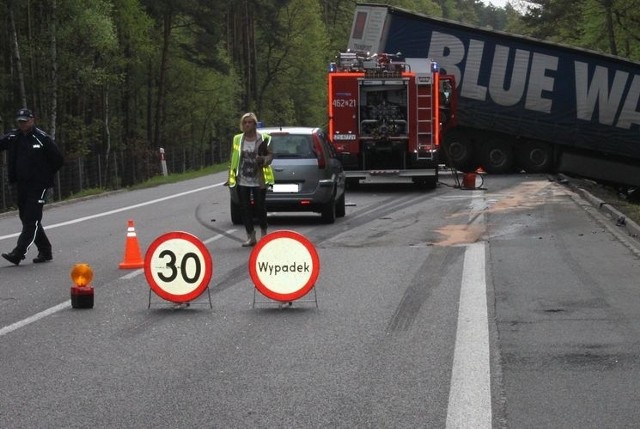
[
  {"x": 340, "y": 207},
  {"x": 236, "y": 214},
  {"x": 329, "y": 211}
]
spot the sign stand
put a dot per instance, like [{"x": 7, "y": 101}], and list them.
[
  {"x": 181, "y": 304},
  {"x": 282, "y": 305},
  {"x": 178, "y": 268},
  {"x": 284, "y": 267}
]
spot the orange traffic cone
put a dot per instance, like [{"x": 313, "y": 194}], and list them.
[{"x": 132, "y": 254}]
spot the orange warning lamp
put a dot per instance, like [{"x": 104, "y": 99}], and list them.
[
  {"x": 81, "y": 274},
  {"x": 81, "y": 291}
]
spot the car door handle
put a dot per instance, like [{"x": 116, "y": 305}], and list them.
[{"x": 279, "y": 169}]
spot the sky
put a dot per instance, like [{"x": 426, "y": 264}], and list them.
[
  {"x": 496, "y": 3},
  {"x": 518, "y": 4}
]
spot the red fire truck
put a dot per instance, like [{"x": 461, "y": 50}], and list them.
[{"x": 385, "y": 120}]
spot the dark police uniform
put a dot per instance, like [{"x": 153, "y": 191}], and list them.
[{"x": 33, "y": 160}]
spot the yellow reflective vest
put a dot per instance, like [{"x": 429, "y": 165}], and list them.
[{"x": 267, "y": 171}]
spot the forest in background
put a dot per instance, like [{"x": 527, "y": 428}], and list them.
[{"x": 115, "y": 80}]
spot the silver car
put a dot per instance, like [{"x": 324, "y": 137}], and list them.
[{"x": 308, "y": 175}]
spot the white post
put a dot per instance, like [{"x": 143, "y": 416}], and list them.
[{"x": 163, "y": 163}]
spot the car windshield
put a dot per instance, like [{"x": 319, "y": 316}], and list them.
[{"x": 292, "y": 146}]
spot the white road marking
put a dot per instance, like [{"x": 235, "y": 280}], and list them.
[
  {"x": 207, "y": 241},
  {"x": 34, "y": 318},
  {"x": 121, "y": 209},
  {"x": 219, "y": 236},
  {"x": 132, "y": 274},
  {"x": 67, "y": 304},
  {"x": 470, "y": 394}
]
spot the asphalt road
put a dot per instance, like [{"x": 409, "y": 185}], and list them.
[{"x": 512, "y": 306}]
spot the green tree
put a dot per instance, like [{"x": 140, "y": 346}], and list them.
[
  {"x": 611, "y": 26},
  {"x": 559, "y": 21},
  {"x": 337, "y": 17},
  {"x": 85, "y": 72},
  {"x": 292, "y": 64},
  {"x": 604, "y": 25}
]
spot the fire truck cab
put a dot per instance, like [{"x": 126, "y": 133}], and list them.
[{"x": 384, "y": 119}]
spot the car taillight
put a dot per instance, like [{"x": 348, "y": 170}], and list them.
[{"x": 317, "y": 148}]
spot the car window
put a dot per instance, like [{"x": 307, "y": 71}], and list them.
[
  {"x": 291, "y": 146},
  {"x": 327, "y": 145}
]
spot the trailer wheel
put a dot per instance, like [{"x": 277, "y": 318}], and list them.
[
  {"x": 536, "y": 157},
  {"x": 497, "y": 158},
  {"x": 458, "y": 150}
]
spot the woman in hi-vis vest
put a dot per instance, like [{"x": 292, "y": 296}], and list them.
[{"x": 250, "y": 172}]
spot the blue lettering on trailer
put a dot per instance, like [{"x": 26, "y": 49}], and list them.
[
  {"x": 450, "y": 51},
  {"x": 526, "y": 87},
  {"x": 537, "y": 72},
  {"x": 609, "y": 100}
]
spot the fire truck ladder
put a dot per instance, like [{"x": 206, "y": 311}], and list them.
[{"x": 424, "y": 120}]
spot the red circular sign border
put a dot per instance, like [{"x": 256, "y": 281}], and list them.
[
  {"x": 315, "y": 270},
  {"x": 208, "y": 267}
]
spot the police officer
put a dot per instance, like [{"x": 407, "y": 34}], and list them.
[{"x": 33, "y": 160}]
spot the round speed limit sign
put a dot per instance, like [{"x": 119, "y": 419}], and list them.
[{"x": 178, "y": 267}]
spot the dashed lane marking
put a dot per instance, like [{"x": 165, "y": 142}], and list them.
[
  {"x": 121, "y": 209},
  {"x": 470, "y": 391},
  {"x": 67, "y": 304}
]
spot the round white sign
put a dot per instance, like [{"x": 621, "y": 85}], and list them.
[{"x": 178, "y": 266}]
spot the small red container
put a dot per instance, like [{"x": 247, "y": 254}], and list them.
[{"x": 469, "y": 181}]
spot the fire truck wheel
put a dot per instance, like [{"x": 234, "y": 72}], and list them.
[
  {"x": 425, "y": 182},
  {"x": 329, "y": 211},
  {"x": 352, "y": 183},
  {"x": 236, "y": 215},
  {"x": 340, "y": 207}
]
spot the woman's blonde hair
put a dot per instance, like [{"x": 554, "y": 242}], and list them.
[{"x": 248, "y": 115}]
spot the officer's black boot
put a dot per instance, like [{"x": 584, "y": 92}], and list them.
[
  {"x": 13, "y": 257},
  {"x": 43, "y": 256}
]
